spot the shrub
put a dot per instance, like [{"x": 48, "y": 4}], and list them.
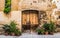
[
  {"x": 52, "y": 27},
  {"x": 46, "y": 27},
  {"x": 49, "y": 27},
  {"x": 6, "y": 28},
  {"x": 11, "y": 28},
  {"x": 40, "y": 31},
  {"x": 7, "y": 8}
]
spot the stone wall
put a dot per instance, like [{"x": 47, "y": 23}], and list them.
[
  {"x": 16, "y": 16},
  {"x": 34, "y": 4},
  {"x": 14, "y": 5},
  {"x": 17, "y": 6},
  {"x": 3, "y": 18},
  {"x": 2, "y": 3}
]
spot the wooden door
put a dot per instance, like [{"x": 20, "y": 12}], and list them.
[
  {"x": 33, "y": 18},
  {"x": 29, "y": 18}
]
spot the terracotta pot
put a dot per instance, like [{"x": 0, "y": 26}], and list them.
[
  {"x": 6, "y": 34},
  {"x": 18, "y": 34},
  {"x": 13, "y": 34},
  {"x": 51, "y": 33},
  {"x": 46, "y": 33},
  {"x": 0, "y": 33},
  {"x": 39, "y": 33}
]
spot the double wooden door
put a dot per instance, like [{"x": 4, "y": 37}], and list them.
[{"x": 29, "y": 18}]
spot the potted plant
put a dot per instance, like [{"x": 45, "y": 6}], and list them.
[
  {"x": 46, "y": 28},
  {"x": 40, "y": 31},
  {"x": 46, "y": 32},
  {"x": 17, "y": 32},
  {"x": 6, "y": 29},
  {"x": 51, "y": 27},
  {"x": 14, "y": 30},
  {"x": 11, "y": 29},
  {"x": 12, "y": 34}
]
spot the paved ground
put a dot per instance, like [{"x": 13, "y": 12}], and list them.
[{"x": 25, "y": 35}]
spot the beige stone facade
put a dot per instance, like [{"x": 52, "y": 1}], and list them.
[
  {"x": 17, "y": 6},
  {"x": 2, "y": 4}
]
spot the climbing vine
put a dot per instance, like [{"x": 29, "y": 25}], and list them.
[{"x": 7, "y": 8}]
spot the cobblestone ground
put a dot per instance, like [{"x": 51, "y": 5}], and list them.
[{"x": 25, "y": 35}]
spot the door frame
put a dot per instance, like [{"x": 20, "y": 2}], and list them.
[{"x": 28, "y": 10}]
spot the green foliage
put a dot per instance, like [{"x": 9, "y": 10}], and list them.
[
  {"x": 18, "y": 32},
  {"x": 46, "y": 27},
  {"x": 6, "y": 28},
  {"x": 11, "y": 28},
  {"x": 7, "y": 8},
  {"x": 40, "y": 31},
  {"x": 49, "y": 27},
  {"x": 52, "y": 27}
]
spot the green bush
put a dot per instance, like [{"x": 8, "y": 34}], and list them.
[
  {"x": 8, "y": 4},
  {"x": 7, "y": 8},
  {"x": 52, "y": 27},
  {"x": 6, "y": 28},
  {"x": 11, "y": 28},
  {"x": 46, "y": 27},
  {"x": 49, "y": 27},
  {"x": 18, "y": 32},
  {"x": 40, "y": 31}
]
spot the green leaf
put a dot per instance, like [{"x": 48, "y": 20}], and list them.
[{"x": 7, "y": 8}]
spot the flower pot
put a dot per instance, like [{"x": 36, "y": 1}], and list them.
[
  {"x": 46, "y": 33},
  {"x": 0, "y": 33},
  {"x": 51, "y": 33},
  {"x": 17, "y": 34},
  {"x": 39, "y": 33},
  {"x": 13, "y": 34},
  {"x": 6, "y": 34}
]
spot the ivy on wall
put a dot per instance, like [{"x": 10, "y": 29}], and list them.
[{"x": 7, "y": 8}]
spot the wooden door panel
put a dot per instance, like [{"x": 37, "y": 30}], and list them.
[
  {"x": 27, "y": 18},
  {"x": 24, "y": 18},
  {"x": 31, "y": 17},
  {"x": 36, "y": 19}
]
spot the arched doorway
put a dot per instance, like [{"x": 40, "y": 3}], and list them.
[{"x": 30, "y": 20}]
